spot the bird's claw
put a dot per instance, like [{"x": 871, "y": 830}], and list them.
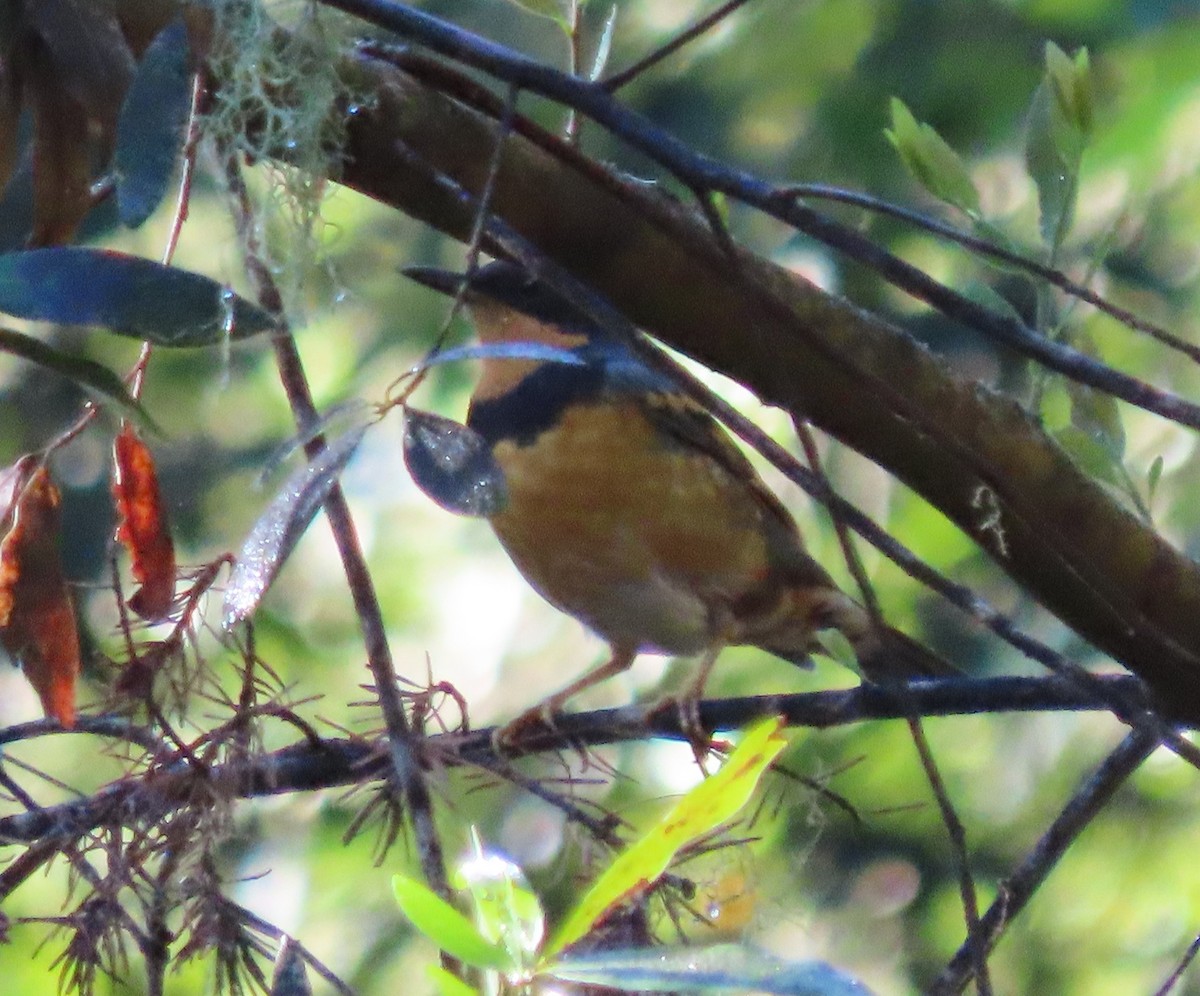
[
  {"x": 687, "y": 711},
  {"x": 507, "y": 738}
]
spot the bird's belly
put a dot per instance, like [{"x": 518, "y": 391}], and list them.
[{"x": 648, "y": 544}]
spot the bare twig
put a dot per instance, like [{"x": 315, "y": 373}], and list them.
[
  {"x": 1189, "y": 956},
  {"x": 617, "y": 80},
  {"x": 404, "y": 744},
  {"x": 306, "y": 766},
  {"x": 1019, "y": 887},
  {"x": 989, "y": 250}
]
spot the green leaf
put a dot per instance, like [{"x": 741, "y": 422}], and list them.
[
  {"x": 1099, "y": 415},
  {"x": 1096, "y": 412},
  {"x": 556, "y": 10},
  {"x": 1072, "y": 82},
  {"x": 449, "y": 984},
  {"x": 447, "y": 927},
  {"x": 713, "y": 802},
  {"x": 507, "y": 910},
  {"x": 1060, "y": 121},
  {"x": 1091, "y": 455},
  {"x": 87, "y": 374},
  {"x": 125, "y": 294},
  {"x": 931, "y": 161},
  {"x": 152, "y": 125},
  {"x": 721, "y": 968}
]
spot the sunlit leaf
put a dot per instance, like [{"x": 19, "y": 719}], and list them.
[
  {"x": 449, "y": 984},
  {"x": 153, "y": 124},
  {"x": 446, "y": 926},
  {"x": 86, "y": 373},
  {"x": 37, "y": 620},
  {"x": 507, "y": 910},
  {"x": 453, "y": 464},
  {"x": 714, "y": 801},
  {"x": 280, "y": 527},
  {"x": 125, "y": 294},
  {"x": 142, "y": 526},
  {"x": 722, "y": 968},
  {"x": 936, "y": 166}
]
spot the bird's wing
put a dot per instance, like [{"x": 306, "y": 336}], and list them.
[{"x": 682, "y": 421}]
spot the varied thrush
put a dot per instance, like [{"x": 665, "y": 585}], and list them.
[{"x": 632, "y": 510}]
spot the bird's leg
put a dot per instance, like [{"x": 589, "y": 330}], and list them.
[
  {"x": 688, "y": 705},
  {"x": 542, "y": 714}
]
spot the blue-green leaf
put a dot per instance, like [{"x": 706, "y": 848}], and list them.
[
  {"x": 153, "y": 124},
  {"x": 125, "y": 294},
  {"x": 722, "y": 968}
]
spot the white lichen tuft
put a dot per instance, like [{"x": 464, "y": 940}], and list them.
[{"x": 281, "y": 106}]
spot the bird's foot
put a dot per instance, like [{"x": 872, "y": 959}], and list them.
[
  {"x": 687, "y": 711},
  {"x": 540, "y": 719}
]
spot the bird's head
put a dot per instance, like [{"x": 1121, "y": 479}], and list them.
[{"x": 507, "y": 304}]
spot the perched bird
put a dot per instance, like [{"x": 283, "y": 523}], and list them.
[{"x": 632, "y": 510}]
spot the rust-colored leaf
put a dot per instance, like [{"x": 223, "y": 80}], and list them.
[
  {"x": 142, "y": 525},
  {"x": 37, "y": 620}
]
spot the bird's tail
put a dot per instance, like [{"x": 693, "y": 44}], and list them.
[
  {"x": 889, "y": 655},
  {"x": 884, "y": 654}
]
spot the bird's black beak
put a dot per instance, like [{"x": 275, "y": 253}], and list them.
[{"x": 446, "y": 281}]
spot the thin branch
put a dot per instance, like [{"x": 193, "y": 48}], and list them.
[
  {"x": 617, "y": 80},
  {"x": 340, "y": 762},
  {"x": 955, "y": 829},
  {"x": 404, "y": 743},
  {"x": 1016, "y": 891},
  {"x": 957, "y": 833},
  {"x": 982, "y": 247},
  {"x": 1189, "y": 956}
]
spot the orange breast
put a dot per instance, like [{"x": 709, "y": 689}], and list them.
[{"x": 647, "y": 542}]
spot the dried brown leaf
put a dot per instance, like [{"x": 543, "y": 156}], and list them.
[
  {"x": 142, "y": 525},
  {"x": 37, "y": 620}
]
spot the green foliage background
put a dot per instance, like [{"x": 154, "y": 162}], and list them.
[{"x": 797, "y": 91}]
